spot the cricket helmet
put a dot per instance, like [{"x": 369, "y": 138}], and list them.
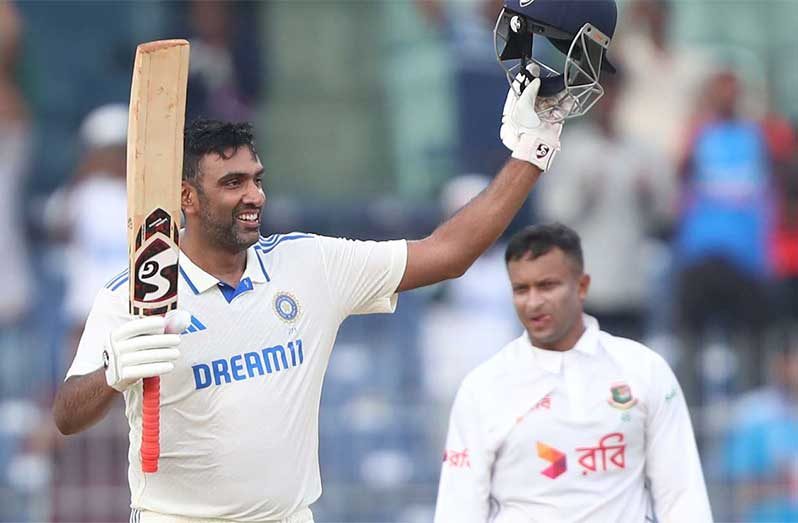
[{"x": 580, "y": 29}]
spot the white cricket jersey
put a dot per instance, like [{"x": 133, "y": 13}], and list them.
[
  {"x": 239, "y": 414},
  {"x": 539, "y": 436}
]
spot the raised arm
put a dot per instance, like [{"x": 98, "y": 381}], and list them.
[{"x": 451, "y": 249}]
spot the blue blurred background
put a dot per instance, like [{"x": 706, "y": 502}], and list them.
[{"x": 376, "y": 120}]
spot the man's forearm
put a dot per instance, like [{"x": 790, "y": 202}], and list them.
[
  {"x": 451, "y": 249},
  {"x": 82, "y": 401},
  {"x": 480, "y": 223}
]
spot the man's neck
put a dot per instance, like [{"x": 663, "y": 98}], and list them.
[{"x": 225, "y": 265}]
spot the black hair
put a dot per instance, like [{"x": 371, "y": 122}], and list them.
[
  {"x": 204, "y": 136},
  {"x": 536, "y": 240}
]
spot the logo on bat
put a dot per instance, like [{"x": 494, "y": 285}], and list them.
[
  {"x": 155, "y": 267},
  {"x": 153, "y": 273}
]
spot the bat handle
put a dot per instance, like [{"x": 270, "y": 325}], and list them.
[{"x": 151, "y": 425}]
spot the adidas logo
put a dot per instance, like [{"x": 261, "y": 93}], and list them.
[{"x": 195, "y": 326}]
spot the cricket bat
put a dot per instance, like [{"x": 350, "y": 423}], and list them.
[{"x": 154, "y": 173}]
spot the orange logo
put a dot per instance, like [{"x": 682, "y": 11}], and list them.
[{"x": 553, "y": 456}]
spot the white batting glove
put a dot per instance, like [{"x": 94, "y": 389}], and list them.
[
  {"x": 143, "y": 348},
  {"x": 523, "y": 132}
]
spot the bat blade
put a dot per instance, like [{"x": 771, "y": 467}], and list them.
[{"x": 154, "y": 171}]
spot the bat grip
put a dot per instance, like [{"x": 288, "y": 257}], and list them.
[{"x": 151, "y": 425}]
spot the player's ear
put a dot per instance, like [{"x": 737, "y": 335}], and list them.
[
  {"x": 584, "y": 285},
  {"x": 188, "y": 197}
]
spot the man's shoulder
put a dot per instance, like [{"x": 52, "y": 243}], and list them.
[
  {"x": 492, "y": 371},
  {"x": 114, "y": 295},
  {"x": 117, "y": 285},
  {"x": 296, "y": 242},
  {"x": 284, "y": 242},
  {"x": 630, "y": 351}
]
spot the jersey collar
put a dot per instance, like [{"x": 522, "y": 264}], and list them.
[
  {"x": 200, "y": 281},
  {"x": 588, "y": 342},
  {"x": 551, "y": 361}
]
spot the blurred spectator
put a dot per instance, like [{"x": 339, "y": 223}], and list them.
[
  {"x": 725, "y": 225},
  {"x": 662, "y": 80},
  {"x": 760, "y": 455},
  {"x": 89, "y": 215},
  {"x": 15, "y": 146},
  {"x": 615, "y": 191},
  {"x": 472, "y": 318},
  {"x": 781, "y": 138},
  {"x": 18, "y": 415},
  {"x": 479, "y": 82},
  {"x": 226, "y": 75}
]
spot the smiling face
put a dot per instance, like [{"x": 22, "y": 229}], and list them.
[
  {"x": 226, "y": 198},
  {"x": 548, "y": 294}
]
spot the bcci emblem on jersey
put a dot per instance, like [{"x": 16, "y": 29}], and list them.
[
  {"x": 286, "y": 307},
  {"x": 621, "y": 396}
]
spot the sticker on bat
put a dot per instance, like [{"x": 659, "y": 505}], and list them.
[{"x": 155, "y": 267}]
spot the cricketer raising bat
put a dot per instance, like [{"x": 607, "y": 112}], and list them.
[{"x": 154, "y": 172}]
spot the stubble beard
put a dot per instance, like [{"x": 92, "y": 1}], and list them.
[
  {"x": 559, "y": 331},
  {"x": 224, "y": 235}
]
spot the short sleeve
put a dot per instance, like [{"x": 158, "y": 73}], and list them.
[
  {"x": 108, "y": 312},
  {"x": 363, "y": 276}
]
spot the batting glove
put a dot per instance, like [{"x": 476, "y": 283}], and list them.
[
  {"x": 143, "y": 348},
  {"x": 529, "y": 137}
]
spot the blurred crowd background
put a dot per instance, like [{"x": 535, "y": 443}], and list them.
[{"x": 376, "y": 119}]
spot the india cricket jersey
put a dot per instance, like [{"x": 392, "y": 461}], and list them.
[
  {"x": 239, "y": 413},
  {"x": 538, "y": 435}
]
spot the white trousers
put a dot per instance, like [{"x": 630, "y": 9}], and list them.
[{"x": 145, "y": 516}]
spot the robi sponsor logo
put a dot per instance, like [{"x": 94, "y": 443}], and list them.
[
  {"x": 555, "y": 457},
  {"x": 609, "y": 454},
  {"x": 248, "y": 365},
  {"x": 457, "y": 458}
]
